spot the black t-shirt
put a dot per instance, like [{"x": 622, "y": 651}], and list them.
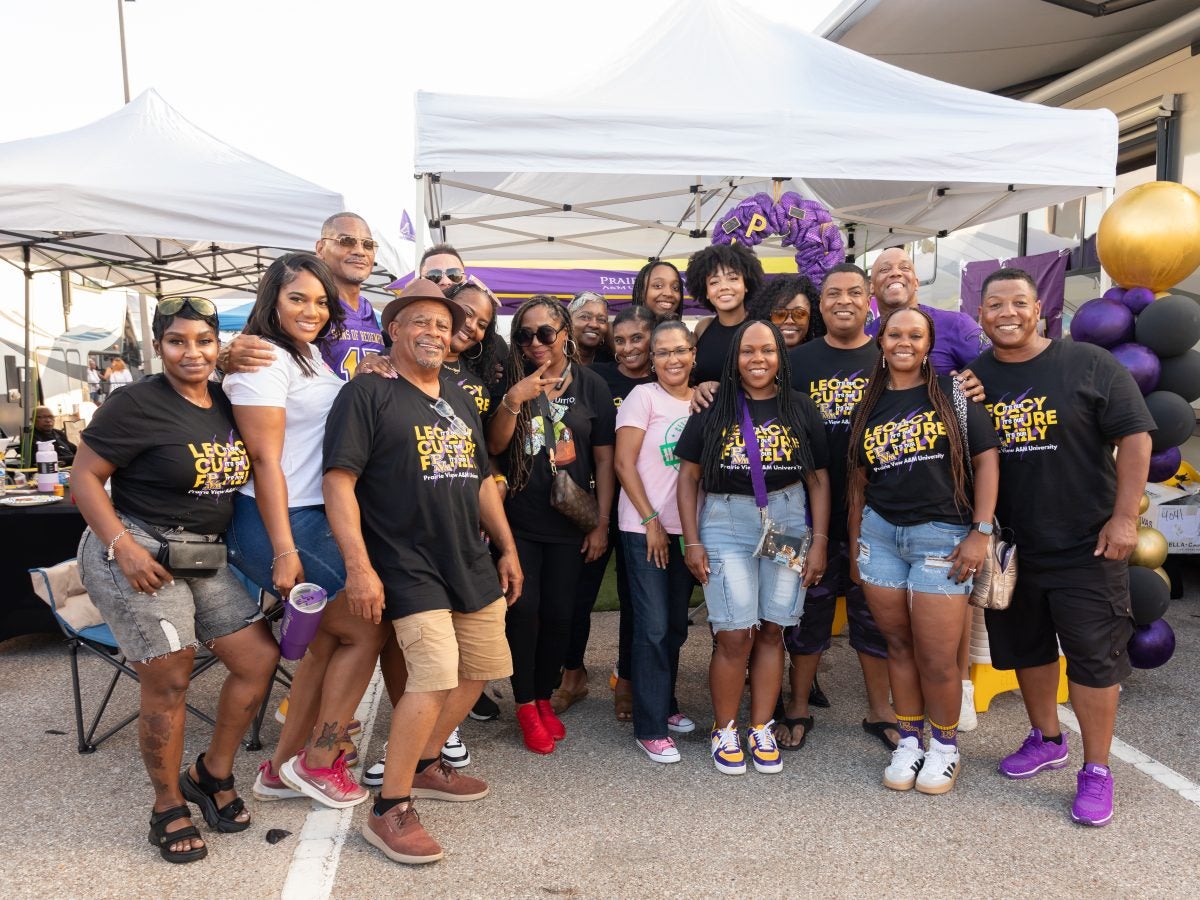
[
  {"x": 582, "y": 418},
  {"x": 178, "y": 466},
  {"x": 473, "y": 386},
  {"x": 1056, "y": 415},
  {"x": 835, "y": 380},
  {"x": 711, "y": 349},
  {"x": 418, "y": 492},
  {"x": 906, "y": 454},
  {"x": 619, "y": 385},
  {"x": 776, "y": 444}
]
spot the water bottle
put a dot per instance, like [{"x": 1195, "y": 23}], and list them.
[
  {"x": 301, "y": 618},
  {"x": 47, "y": 467}
]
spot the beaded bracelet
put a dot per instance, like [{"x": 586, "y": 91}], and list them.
[{"x": 112, "y": 545}]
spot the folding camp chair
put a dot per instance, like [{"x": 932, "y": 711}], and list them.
[
  {"x": 84, "y": 628},
  {"x": 273, "y": 611}
]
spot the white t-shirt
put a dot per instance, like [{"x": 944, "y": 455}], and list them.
[
  {"x": 119, "y": 378},
  {"x": 306, "y": 401},
  {"x": 652, "y": 410}
]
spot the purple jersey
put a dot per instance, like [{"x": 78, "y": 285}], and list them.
[
  {"x": 959, "y": 339},
  {"x": 360, "y": 335}
]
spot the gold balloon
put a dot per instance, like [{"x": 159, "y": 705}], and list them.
[
  {"x": 1150, "y": 236},
  {"x": 1151, "y": 549},
  {"x": 1162, "y": 573},
  {"x": 1144, "y": 505}
]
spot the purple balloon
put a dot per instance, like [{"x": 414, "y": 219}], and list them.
[
  {"x": 1151, "y": 645},
  {"x": 1102, "y": 322},
  {"x": 1116, "y": 292},
  {"x": 1143, "y": 364},
  {"x": 1164, "y": 464},
  {"x": 1136, "y": 299}
]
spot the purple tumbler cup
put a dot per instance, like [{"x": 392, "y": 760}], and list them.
[{"x": 301, "y": 618}]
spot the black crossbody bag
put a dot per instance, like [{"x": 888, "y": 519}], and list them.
[{"x": 188, "y": 559}]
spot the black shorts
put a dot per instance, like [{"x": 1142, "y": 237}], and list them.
[
  {"x": 1084, "y": 606},
  {"x": 813, "y": 634}
]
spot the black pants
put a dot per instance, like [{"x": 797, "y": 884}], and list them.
[
  {"x": 539, "y": 624},
  {"x": 585, "y": 600}
]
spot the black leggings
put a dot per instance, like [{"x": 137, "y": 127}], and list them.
[
  {"x": 539, "y": 624},
  {"x": 589, "y": 588}
]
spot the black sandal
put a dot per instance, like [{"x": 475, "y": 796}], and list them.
[
  {"x": 880, "y": 730},
  {"x": 816, "y": 696},
  {"x": 163, "y": 839},
  {"x": 203, "y": 790},
  {"x": 790, "y": 724}
]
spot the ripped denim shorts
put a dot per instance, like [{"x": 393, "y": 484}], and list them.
[
  {"x": 909, "y": 556},
  {"x": 190, "y": 612}
]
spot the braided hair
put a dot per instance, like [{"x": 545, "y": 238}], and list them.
[
  {"x": 943, "y": 406},
  {"x": 520, "y": 463},
  {"x": 726, "y": 411}
]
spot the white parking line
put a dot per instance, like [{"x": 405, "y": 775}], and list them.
[
  {"x": 1164, "y": 775},
  {"x": 315, "y": 859}
]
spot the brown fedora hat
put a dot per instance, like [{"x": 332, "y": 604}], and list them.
[{"x": 422, "y": 289}]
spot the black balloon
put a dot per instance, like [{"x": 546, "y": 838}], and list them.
[
  {"x": 1170, "y": 325},
  {"x": 1173, "y": 420},
  {"x": 1149, "y": 595},
  {"x": 1181, "y": 374}
]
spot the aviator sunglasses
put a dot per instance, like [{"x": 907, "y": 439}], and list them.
[
  {"x": 798, "y": 315},
  {"x": 350, "y": 242},
  {"x": 171, "y": 305},
  {"x": 446, "y": 411},
  {"x": 455, "y": 275},
  {"x": 544, "y": 333}
]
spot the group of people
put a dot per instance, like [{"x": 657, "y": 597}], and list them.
[{"x": 458, "y": 497}]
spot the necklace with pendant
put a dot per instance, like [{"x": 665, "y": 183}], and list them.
[{"x": 449, "y": 368}]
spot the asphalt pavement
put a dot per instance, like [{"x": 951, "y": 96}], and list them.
[{"x": 597, "y": 819}]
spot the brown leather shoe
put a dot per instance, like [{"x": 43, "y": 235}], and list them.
[
  {"x": 443, "y": 782},
  {"x": 401, "y": 836}
]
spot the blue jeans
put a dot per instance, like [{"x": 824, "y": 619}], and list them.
[
  {"x": 742, "y": 588},
  {"x": 912, "y": 557},
  {"x": 250, "y": 546},
  {"x": 659, "y": 600}
]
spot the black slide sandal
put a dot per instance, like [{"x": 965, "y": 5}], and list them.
[
  {"x": 163, "y": 839},
  {"x": 203, "y": 790},
  {"x": 880, "y": 730},
  {"x": 790, "y": 724}
]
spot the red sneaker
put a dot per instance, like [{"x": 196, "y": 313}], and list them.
[
  {"x": 537, "y": 738},
  {"x": 552, "y": 723},
  {"x": 333, "y": 786}
]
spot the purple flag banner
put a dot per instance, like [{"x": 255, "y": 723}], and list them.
[{"x": 1049, "y": 271}]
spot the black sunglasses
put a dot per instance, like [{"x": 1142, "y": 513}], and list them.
[
  {"x": 545, "y": 334},
  {"x": 455, "y": 275},
  {"x": 350, "y": 242},
  {"x": 169, "y": 306}
]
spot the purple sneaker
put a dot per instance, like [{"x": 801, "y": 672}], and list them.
[
  {"x": 1094, "y": 796},
  {"x": 1035, "y": 754}
]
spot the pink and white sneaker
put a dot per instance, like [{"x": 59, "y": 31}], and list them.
[
  {"x": 269, "y": 786},
  {"x": 333, "y": 787},
  {"x": 661, "y": 750}
]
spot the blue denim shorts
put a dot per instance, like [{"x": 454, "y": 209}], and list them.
[
  {"x": 185, "y": 613},
  {"x": 742, "y": 589},
  {"x": 909, "y": 556},
  {"x": 250, "y": 546}
]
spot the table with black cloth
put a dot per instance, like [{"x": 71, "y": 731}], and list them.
[{"x": 33, "y": 536}]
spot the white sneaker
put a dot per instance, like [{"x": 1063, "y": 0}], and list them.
[
  {"x": 455, "y": 752},
  {"x": 680, "y": 724},
  {"x": 373, "y": 777},
  {"x": 907, "y": 759},
  {"x": 968, "y": 720},
  {"x": 764, "y": 751},
  {"x": 661, "y": 750},
  {"x": 941, "y": 768}
]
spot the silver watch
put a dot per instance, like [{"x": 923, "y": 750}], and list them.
[{"x": 983, "y": 527}]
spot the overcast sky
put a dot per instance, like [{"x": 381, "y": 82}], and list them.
[{"x": 321, "y": 89}]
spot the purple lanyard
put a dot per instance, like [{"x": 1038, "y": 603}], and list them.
[
  {"x": 753, "y": 454},
  {"x": 754, "y": 457}
]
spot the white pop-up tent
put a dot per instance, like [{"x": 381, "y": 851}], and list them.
[
  {"x": 144, "y": 200},
  {"x": 716, "y": 103}
]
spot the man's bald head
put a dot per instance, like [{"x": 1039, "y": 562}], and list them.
[{"x": 894, "y": 280}]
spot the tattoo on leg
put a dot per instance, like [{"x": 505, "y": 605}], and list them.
[{"x": 329, "y": 736}]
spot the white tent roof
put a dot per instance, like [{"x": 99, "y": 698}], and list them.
[
  {"x": 613, "y": 166},
  {"x": 146, "y": 200}
]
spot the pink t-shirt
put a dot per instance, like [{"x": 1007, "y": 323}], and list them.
[{"x": 652, "y": 410}]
